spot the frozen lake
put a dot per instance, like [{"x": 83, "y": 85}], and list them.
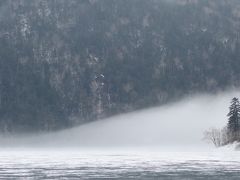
[{"x": 77, "y": 164}]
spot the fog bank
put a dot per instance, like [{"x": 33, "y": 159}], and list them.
[{"x": 178, "y": 124}]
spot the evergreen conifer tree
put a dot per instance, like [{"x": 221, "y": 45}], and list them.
[{"x": 234, "y": 119}]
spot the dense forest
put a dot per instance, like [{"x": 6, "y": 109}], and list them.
[{"x": 68, "y": 62}]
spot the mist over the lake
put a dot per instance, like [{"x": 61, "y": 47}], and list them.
[
  {"x": 178, "y": 124},
  {"x": 120, "y": 89}
]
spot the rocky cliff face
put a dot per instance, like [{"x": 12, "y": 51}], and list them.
[{"x": 66, "y": 62}]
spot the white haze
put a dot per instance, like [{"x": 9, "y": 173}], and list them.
[{"x": 179, "y": 124}]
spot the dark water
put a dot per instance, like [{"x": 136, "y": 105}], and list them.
[{"x": 122, "y": 165}]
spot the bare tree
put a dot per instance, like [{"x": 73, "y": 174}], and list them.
[
  {"x": 225, "y": 136},
  {"x": 214, "y": 136}
]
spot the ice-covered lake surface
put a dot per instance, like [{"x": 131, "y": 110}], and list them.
[{"x": 84, "y": 164}]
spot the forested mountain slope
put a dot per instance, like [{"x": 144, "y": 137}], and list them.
[{"x": 67, "y": 62}]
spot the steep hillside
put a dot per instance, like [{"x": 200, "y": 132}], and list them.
[{"x": 66, "y": 62}]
